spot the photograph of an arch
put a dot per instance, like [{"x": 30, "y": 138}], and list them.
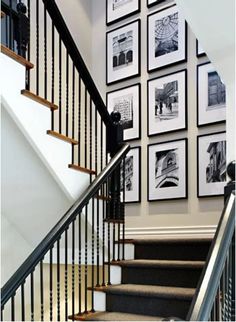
[
  {"x": 123, "y": 52},
  {"x": 167, "y": 170},
  {"x": 117, "y": 10}
]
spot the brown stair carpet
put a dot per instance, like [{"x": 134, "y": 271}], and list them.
[{"x": 118, "y": 316}]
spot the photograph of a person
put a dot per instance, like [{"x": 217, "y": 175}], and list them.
[
  {"x": 211, "y": 164},
  {"x": 211, "y": 95},
  {"x": 126, "y": 101},
  {"x": 167, "y": 170},
  {"x": 116, "y": 10},
  {"x": 167, "y": 103},
  {"x": 166, "y": 38},
  {"x": 123, "y": 52}
]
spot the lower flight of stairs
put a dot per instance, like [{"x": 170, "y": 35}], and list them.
[{"x": 158, "y": 284}]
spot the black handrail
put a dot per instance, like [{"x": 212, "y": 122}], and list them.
[
  {"x": 207, "y": 288},
  {"x": 77, "y": 59},
  {"x": 37, "y": 255}
]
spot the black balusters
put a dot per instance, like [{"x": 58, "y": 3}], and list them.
[
  {"x": 51, "y": 283},
  {"x": 22, "y": 302},
  {"x": 93, "y": 240},
  {"x": 67, "y": 93},
  {"x": 86, "y": 262},
  {"x": 13, "y": 308},
  {"x": 73, "y": 103},
  {"x": 113, "y": 241},
  {"x": 109, "y": 252},
  {"x": 53, "y": 75},
  {"x": 41, "y": 291},
  {"x": 79, "y": 266},
  {"x": 90, "y": 137},
  {"x": 45, "y": 53},
  {"x": 123, "y": 225},
  {"x": 66, "y": 274},
  {"x": 60, "y": 84},
  {"x": 58, "y": 281},
  {"x": 27, "y": 84},
  {"x": 37, "y": 47},
  {"x": 85, "y": 128},
  {"x": 103, "y": 234},
  {"x": 98, "y": 239},
  {"x": 31, "y": 295},
  {"x": 79, "y": 119},
  {"x": 11, "y": 44},
  {"x": 118, "y": 242},
  {"x": 73, "y": 268}
]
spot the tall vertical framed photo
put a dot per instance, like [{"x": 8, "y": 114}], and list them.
[
  {"x": 117, "y": 10},
  {"x": 167, "y": 170},
  {"x": 167, "y": 103},
  {"x": 127, "y": 101},
  {"x": 151, "y": 3},
  {"x": 211, "y": 96},
  {"x": 199, "y": 50},
  {"x": 123, "y": 52},
  {"x": 132, "y": 170},
  {"x": 167, "y": 38},
  {"x": 211, "y": 165}
]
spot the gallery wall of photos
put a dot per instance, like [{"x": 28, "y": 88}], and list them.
[{"x": 167, "y": 101}]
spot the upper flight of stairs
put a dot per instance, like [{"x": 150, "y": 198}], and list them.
[{"x": 159, "y": 283}]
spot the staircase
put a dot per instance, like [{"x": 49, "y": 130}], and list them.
[{"x": 158, "y": 283}]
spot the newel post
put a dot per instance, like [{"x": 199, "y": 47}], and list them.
[
  {"x": 114, "y": 143},
  {"x": 231, "y": 184}
]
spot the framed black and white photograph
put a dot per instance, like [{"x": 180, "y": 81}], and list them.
[
  {"x": 211, "y": 154},
  {"x": 199, "y": 50},
  {"x": 123, "y": 52},
  {"x": 151, "y": 3},
  {"x": 167, "y": 103},
  {"x": 127, "y": 102},
  {"x": 167, "y": 170},
  {"x": 167, "y": 37},
  {"x": 117, "y": 10},
  {"x": 211, "y": 96},
  {"x": 132, "y": 169}
]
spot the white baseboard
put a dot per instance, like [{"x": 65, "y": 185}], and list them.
[{"x": 171, "y": 232}]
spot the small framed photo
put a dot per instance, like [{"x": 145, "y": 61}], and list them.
[
  {"x": 167, "y": 170},
  {"x": 132, "y": 170},
  {"x": 151, "y": 3},
  {"x": 211, "y": 155},
  {"x": 127, "y": 101},
  {"x": 211, "y": 96},
  {"x": 117, "y": 10},
  {"x": 199, "y": 50},
  {"x": 123, "y": 52},
  {"x": 167, "y": 103},
  {"x": 167, "y": 37}
]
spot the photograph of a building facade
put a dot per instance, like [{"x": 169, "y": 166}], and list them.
[
  {"x": 124, "y": 105},
  {"x": 216, "y": 169},
  {"x": 216, "y": 91},
  {"x": 122, "y": 50}
]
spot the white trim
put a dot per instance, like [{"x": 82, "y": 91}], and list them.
[{"x": 173, "y": 232}]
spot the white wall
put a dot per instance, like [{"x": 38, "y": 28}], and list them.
[{"x": 156, "y": 217}]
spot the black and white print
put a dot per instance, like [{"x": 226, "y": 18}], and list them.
[
  {"x": 151, "y": 3},
  {"x": 126, "y": 101},
  {"x": 117, "y": 4},
  {"x": 167, "y": 170},
  {"x": 211, "y": 95},
  {"x": 123, "y": 52},
  {"x": 166, "y": 38},
  {"x": 117, "y": 10},
  {"x": 131, "y": 176},
  {"x": 167, "y": 103},
  {"x": 211, "y": 164}
]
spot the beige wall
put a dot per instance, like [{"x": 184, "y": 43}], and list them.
[{"x": 202, "y": 213}]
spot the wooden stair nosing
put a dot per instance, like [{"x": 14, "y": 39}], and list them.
[
  {"x": 10, "y": 53},
  {"x": 80, "y": 317},
  {"x": 62, "y": 137},
  {"x": 79, "y": 168},
  {"x": 39, "y": 99}
]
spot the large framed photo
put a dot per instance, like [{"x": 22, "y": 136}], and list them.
[
  {"x": 167, "y": 170},
  {"x": 211, "y": 154},
  {"x": 167, "y": 37},
  {"x": 167, "y": 103},
  {"x": 123, "y": 52},
  {"x": 132, "y": 182},
  {"x": 151, "y": 3},
  {"x": 117, "y": 10},
  {"x": 127, "y": 101},
  {"x": 199, "y": 50},
  {"x": 211, "y": 96}
]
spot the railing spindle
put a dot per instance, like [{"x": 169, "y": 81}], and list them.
[
  {"x": 98, "y": 240},
  {"x": 79, "y": 120},
  {"x": 67, "y": 93},
  {"x": 22, "y": 302},
  {"x": 45, "y": 53},
  {"x": 41, "y": 290},
  {"x": 27, "y": 85},
  {"x": 32, "y": 295},
  {"x": 85, "y": 129},
  {"x": 66, "y": 274},
  {"x": 113, "y": 242},
  {"x": 73, "y": 268},
  {"x": 103, "y": 236},
  {"x": 92, "y": 275},
  {"x": 10, "y": 27},
  {"x": 73, "y": 101},
  {"x": 13, "y": 308},
  {"x": 123, "y": 228},
  {"x": 53, "y": 74},
  {"x": 60, "y": 85},
  {"x": 37, "y": 47},
  {"x": 58, "y": 281},
  {"x": 51, "y": 283},
  {"x": 79, "y": 266},
  {"x": 86, "y": 262}
]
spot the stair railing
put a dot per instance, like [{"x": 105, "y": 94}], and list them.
[
  {"x": 215, "y": 295},
  {"x": 54, "y": 280}
]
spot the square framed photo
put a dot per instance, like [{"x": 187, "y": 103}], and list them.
[
  {"x": 167, "y": 170},
  {"x": 211, "y": 96},
  {"x": 199, "y": 50},
  {"x": 151, "y": 3},
  {"x": 132, "y": 182},
  {"x": 123, "y": 52},
  {"x": 127, "y": 101},
  {"x": 167, "y": 38},
  {"x": 117, "y": 10},
  {"x": 211, "y": 168},
  {"x": 167, "y": 103}
]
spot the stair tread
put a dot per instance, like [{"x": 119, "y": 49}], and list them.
[
  {"x": 10, "y": 53},
  {"x": 62, "y": 137},
  {"x": 39, "y": 99},
  {"x": 145, "y": 263},
  {"x": 120, "y": 316},
  {"x": 180, "y": 293}
]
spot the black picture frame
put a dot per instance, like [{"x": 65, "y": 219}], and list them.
[
  {"x": 171, "y": 192},
  {"x": 156, "y": 2},
  {"x": 136, "y": 197},
  {"x": 133, "y": 133},
  {"x": 203, "y": 171},
  {"x": 128, "y": 14},
  {"x": 182, "y": 121},
  {"x": 199, "y": 53},
  {"x": 212, "y": 116},
  {"x": 123, "y": 70},
  {"x": 152, "y": 61}
]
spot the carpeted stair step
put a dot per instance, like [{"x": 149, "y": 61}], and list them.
[
  {"x": 119, "y": 316},
  {"x": 149, "y": 299},
  {"x": 172, "y": 249},
  {"x": 161, "y": 272}
]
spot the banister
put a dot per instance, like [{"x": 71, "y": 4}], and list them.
[{"x": 34, "y": 258}]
